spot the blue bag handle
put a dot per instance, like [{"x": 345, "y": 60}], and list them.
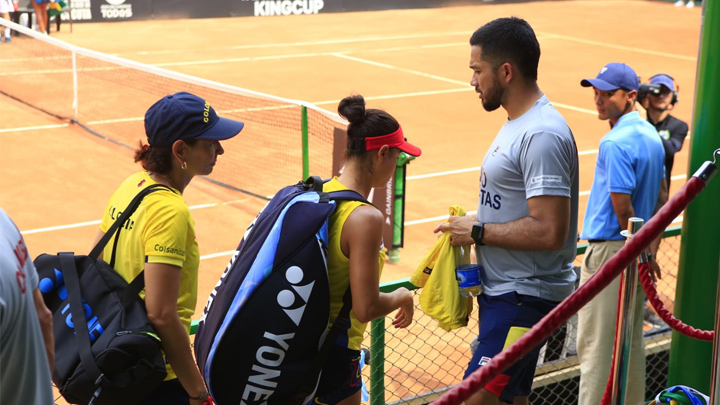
[{"x": 689, "y": 393}]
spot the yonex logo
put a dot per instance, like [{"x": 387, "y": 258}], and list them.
[{"x": 286, "y": 298}]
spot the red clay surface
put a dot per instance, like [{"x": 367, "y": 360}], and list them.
[{"x": 63, "y": 175}]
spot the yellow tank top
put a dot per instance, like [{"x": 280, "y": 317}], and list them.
[{"x": 339, "y": 267}]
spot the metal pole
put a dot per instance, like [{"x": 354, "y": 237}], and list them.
[
  {"x": 75, "y": 85},
  {"x": 715, "y": 378},
  {"x": 623, "y": 334},
  {"x": 305, "y": 143},
  {"x": 377, "y": 362}
]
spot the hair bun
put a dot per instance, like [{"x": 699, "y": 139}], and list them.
[{"x": 352, "y": 108}]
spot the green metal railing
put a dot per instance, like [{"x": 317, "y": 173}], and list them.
[{"x": 378, "y": 333}]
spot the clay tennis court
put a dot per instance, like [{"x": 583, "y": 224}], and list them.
[{"x": 55, "y": 179}]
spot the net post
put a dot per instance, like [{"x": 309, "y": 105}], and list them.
[
  {"x": 305, "y": 143},
  {"x": 377, "y": 362},
  {"x": 75, "y": 85}
]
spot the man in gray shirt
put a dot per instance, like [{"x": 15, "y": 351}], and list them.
[
  {"x": 26, "y": 337},
  {"x": 525, "y": 231}
]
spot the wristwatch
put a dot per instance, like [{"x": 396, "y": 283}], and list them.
[{"x": 477, "y": 233}]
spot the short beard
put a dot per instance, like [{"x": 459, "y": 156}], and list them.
[{"x": 493, "y": 99}]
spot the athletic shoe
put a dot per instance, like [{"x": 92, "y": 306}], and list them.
[
  {"x": 679, "y": 3},
  {"x": 690, "y": 4}
]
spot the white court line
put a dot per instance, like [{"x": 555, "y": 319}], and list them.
[
  {"x": 464, "y": 34},
  {"x": 573, "y": 108},
  {"x": 415, "y": 72},
  {"x": 316, "y": 43},
  {"x": 621, "y": 47},
  {"x": 60, "y": 227},
  {"x": 403, "y": 95},
  {"x": 245, "y": 59},
  {"x": 33, "y": 128},
  {"x": 96, "y": 222},
  {"x": 219, "y": 254}
]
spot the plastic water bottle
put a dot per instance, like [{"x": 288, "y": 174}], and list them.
[{"x": 467, "y": 271}]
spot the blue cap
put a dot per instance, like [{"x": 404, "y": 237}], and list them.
[
  {"x": 614, "y": 76},
  {"x": 663, "y": 80},
  {"x": 183, "y": 116}
]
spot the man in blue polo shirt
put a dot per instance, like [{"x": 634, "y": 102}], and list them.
[{"x": 628, "y": 179}]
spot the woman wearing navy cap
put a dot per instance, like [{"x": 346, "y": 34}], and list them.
[
  {"x": 355, "y": 248},
  {"x": 184, "y": 135}
]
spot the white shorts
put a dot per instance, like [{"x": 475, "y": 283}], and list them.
[{"x": 6, "y": 6}]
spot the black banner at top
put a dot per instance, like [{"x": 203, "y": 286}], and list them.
[{"x": 123, "y": 10}]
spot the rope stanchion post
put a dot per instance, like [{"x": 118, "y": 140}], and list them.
[{"x": 624, "y": 331}]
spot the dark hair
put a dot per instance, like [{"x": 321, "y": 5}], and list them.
[
  {"x": 157, "y": 159},
  {"x": 512, "y": 40},
  {"x": 364, "y": 123}
]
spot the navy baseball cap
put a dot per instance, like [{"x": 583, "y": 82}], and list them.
[
  {"x": 663, "y": 80},
  {"x": 614, "y": 76},
  {"x": 183, "y": 116}
]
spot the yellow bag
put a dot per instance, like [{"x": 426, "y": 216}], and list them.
[{"x": 440, "y": 297}]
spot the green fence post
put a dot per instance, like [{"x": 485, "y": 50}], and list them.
[
  {"x": 399, "y": 206},
  {"x": 377, "y": 362},
  {"x": 690, "y": 360},
  {"x": 305, "y": 144}
]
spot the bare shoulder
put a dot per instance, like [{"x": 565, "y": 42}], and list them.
[{"x": 365, "y": 218}]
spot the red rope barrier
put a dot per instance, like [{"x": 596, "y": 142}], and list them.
[
  {"x": 649, "y": 286},
  {"x": 560, "y": 314},
  {"x": 667, "y": 316}
]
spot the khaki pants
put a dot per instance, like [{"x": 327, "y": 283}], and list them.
[{"x": 596, "y": 333}]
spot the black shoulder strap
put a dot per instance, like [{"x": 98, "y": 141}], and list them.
[
  {"x": 82, "y": 334},
  {"x": 115, "y": 227},
  {"x": 347, "y": 195},
  {"x": 340, "y": 324}
]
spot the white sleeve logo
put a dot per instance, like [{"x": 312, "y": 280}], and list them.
[{"x": 546, "y": 179}]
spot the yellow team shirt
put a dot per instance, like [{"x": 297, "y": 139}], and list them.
[
  {"x": 161, "y": 230},
  {"x": 339, "y": 264}
]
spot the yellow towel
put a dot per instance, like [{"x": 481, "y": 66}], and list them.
[{"x": 440, "y": 297}]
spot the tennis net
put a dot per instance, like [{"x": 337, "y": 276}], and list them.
[{"x": 108, "y": 96}]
